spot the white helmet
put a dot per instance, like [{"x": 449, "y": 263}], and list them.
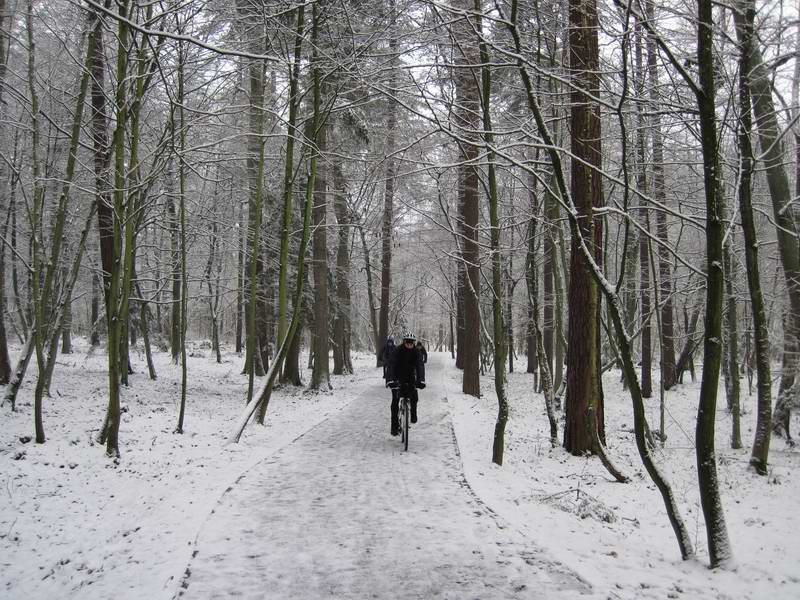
[{"x": 409, "y": 335}]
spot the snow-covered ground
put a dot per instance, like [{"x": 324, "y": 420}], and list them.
[{"x": 178, "y": 513}]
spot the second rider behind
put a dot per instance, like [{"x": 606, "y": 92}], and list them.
[{"x": 406, "y": 371}]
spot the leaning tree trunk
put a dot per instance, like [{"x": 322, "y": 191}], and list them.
[
  {"x": 261, "y": 401},
  {"x": 255, "y": 177}
]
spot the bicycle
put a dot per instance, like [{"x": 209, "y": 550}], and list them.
[{"x": 405, "y": 414}]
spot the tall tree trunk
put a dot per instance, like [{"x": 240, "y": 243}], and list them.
[
  {"x": 291, "y": 368},
  {"x": 95, "y": 310},
  {"x": 102, "y": 154},
  {"x": 66, "y": 331},
  {"x": 122, "y": 248},
  {"x": 770, "y": 139},
  {"x": 182, "y": 224},
  {"x": 716, "y": 531},
  {"x": 467, "y": 121},
  {"x": 760, "y": 453},
  {"x": 144, "y": 323},
  {"x": 731, "y": 355},
  {"x": 213, "y": 296},
  {"x": 5, "y": 359},
  {"x": 681, "y": 533},
  {"x": 39, "y": 296},
  {"x": 662, "y": 231},
  {"x": 342, "y": 363},
  {"x": 388, "y": 210},
  {"x": 288, "y": 180},
  {"x": 261, "y": 401},
  {"x": 584, "y": 407},
  {"x": 175, "y": 268},
  {"x": 461, "y": 274},
  {"x": 241, "y": 238},
  {"x": 4, "y": 45},
  {"x": 253, "y": 35},
  {"x": 49, "y": 310},
  {"x": 320, "y": 375},
  {"x": 544, "y": 365},
  {"x": 370, "y": 294},
  {"x": 549, "y": 266},
  {"x": 644, "y": 221},
  {"x": 500, "y": 344}
]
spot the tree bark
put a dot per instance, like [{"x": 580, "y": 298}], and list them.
[
  {"x": 467, "y": 121},
  {"x": 584, "y": 406},
  {"x": 342, "y": 363},
  {"x": 644, "y": 245},
  {"x": 759, "y": 456},
  {"x": 731, "y": 356},
  {"x": 102, "y": 154},
  {"x": 770, "y": 138},
  {"x": 667, "y": 340},
  {"x": 320, "y": 375},
  {"x": 288, "y": 180},
  {"x": 716, "y": 531},
  {"x": 388, "y": 215},
  {"x": 681, "y": 533},
  {"x": 499, "y": 327},
  {"x": 370, "y": 294}
]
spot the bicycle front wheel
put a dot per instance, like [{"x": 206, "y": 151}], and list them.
[{"x": 406, "y": 417}]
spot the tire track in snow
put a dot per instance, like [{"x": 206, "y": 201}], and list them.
[{"x": 342, "y": 512}]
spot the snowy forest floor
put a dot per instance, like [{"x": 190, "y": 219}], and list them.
[{"x": 322, "y": 502}]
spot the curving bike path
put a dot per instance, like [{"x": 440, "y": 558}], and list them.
[{"x": 343, "y": 513}]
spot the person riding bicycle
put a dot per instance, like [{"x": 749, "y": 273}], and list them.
[{"x": 406, "y": 374}]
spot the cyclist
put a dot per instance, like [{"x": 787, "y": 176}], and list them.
[{"x": 407, "y": 374}]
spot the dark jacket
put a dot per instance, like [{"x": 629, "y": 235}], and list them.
[
  {"x": 387, "y": 358},
  {"x": 407, "y": 366},
  {"x": 424, "y": 352}
]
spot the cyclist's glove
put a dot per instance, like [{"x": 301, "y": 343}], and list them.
[{"x": 421, "y": 385}]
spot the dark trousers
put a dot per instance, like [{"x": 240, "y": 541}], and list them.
[{"x": 396, "y": 403}]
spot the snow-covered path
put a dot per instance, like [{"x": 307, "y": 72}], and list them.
[{"x": 342, "y": 512}]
